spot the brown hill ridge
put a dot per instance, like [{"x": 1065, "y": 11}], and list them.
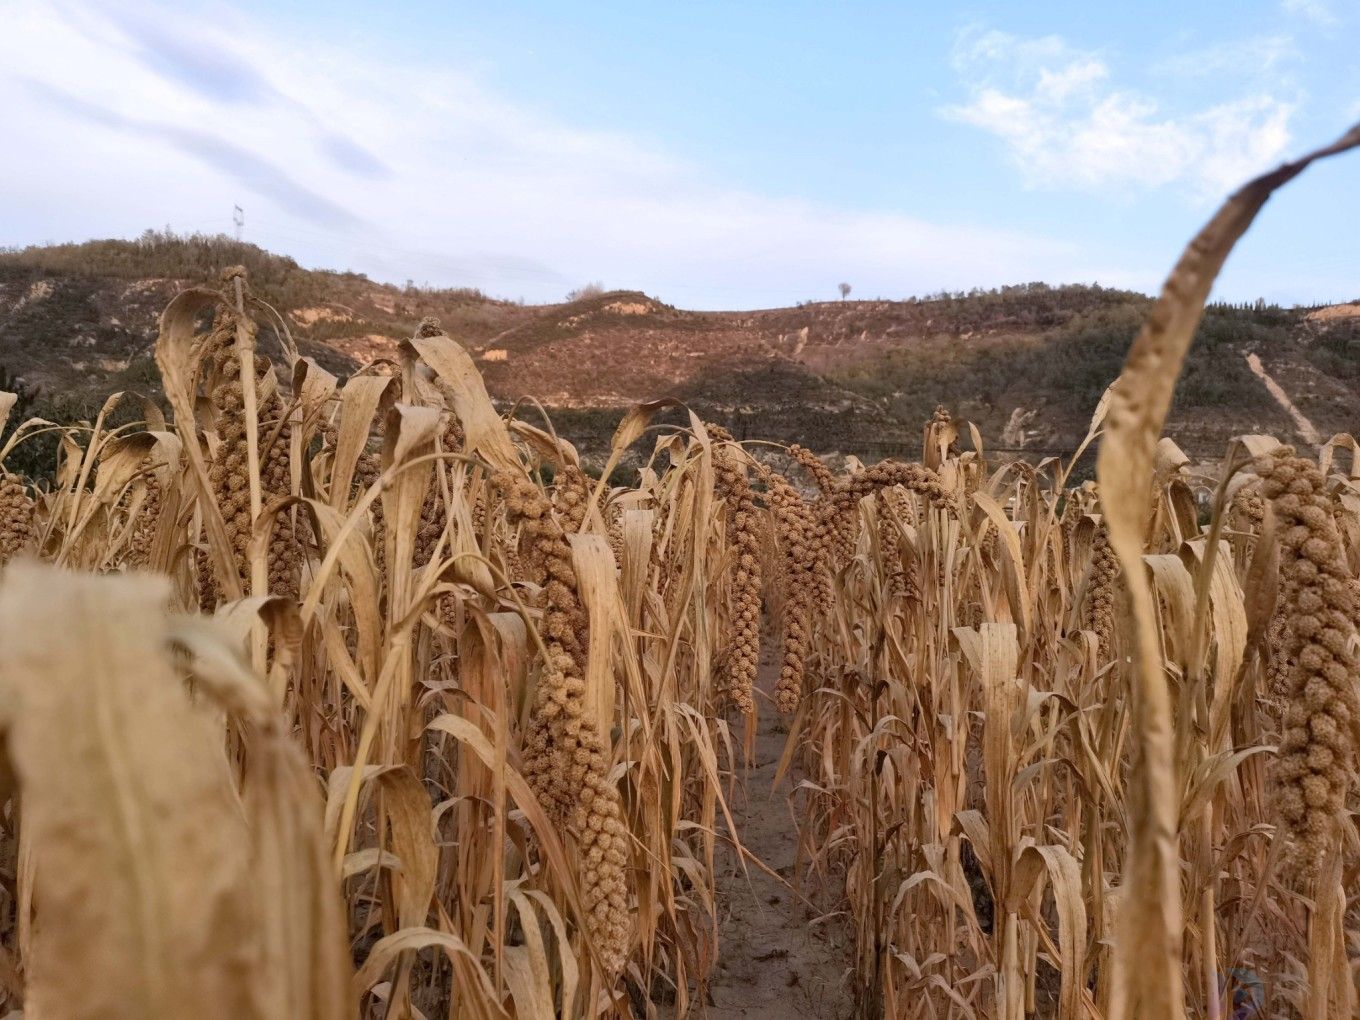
[{"x": 1026, "y": 363}]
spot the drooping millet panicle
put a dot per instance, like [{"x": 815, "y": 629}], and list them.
[
  {"x": 1321, "y": 726},
  {"x": 814, "y": 466},
  {"x": 433, "y": 517},
  {"x": 614, "y": 530},
  {"x": 1098, "y": 611},
  {"x": 1071, "y": 517},
  {"x": 902, "y": 503},
  {"x": 657, "y": 575},
  {"x": 567, "y": 502},
  {"x": 216, "y": 348},
  {"x": 367, "y": 470},
  {"x": 1244, "y": 518},
  {"x": 794, "y": 523},
  {"x": 1277, "y": 657},
  {"x": 889, "y": 544},
  {"x": 570, "y": 493},
  {"x": 148, "y": 519},
  {"x": 821, "y": 541},
  {"x": 229, "y": 471},
  {"x": 434, "y": 513},
  {"x": 501, "y": 545},
  {"x": 990, "y": 546},
  {"x": 832, "y": 538},
  {"x": 276, "y": 480},
  {"x": 454, "y": 437},
  {"x": 839, "y": 512},
  {"x": 16, "y": 516},
  {"x": 671, "y": 549},
  {"x": 565, "y": 757},
  {"x": 1076, "y": 504},
  {"x": 429, "y": 326},
  {"x": 1247, "y": 510},
  {"x": 741, "y": 659},
  {"x": 205, "y": 581}
]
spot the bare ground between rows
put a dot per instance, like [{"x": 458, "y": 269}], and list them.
[{"x": 780, "y": 957}]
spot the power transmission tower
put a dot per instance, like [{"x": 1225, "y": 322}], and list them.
[{"x": 238, "y": 216}]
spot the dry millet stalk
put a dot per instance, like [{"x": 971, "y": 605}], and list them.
[
  {"x": 939, "y": 437},
  {"x": 16, "y": 517},
  {"x": 1322, "y": 711},
  {"x": 741, "y": 659},
  {"x": 564, "y": 755}
]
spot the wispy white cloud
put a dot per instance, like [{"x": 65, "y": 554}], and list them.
[
  {"x": 1066, "y": 123},
  {"x": 143, "y": 116},
  {"x": 1318, "y": 11},
  {"x": 1250, "y": 58}
]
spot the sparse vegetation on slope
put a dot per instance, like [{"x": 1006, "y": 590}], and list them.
[{"x": 1026, "y": 362}]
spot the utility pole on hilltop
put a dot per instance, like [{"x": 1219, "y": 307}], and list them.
[{"x": 238, "y": 216}]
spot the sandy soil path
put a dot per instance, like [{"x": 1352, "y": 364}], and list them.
[{"x": 774, "y": 964}]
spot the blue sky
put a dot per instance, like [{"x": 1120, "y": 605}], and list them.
[{"x": 715, "y": 155}]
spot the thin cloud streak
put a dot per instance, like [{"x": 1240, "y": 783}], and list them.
[
  {"x": 191, "y": 60},
  {"x": 251, "y": 170},
  {"x": 191, "y": 57}
]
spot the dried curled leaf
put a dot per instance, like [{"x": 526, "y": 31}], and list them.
[{"x": 141, "y": 848}]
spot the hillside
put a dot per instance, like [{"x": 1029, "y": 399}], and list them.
[{"x": 1025, "y": 363}]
